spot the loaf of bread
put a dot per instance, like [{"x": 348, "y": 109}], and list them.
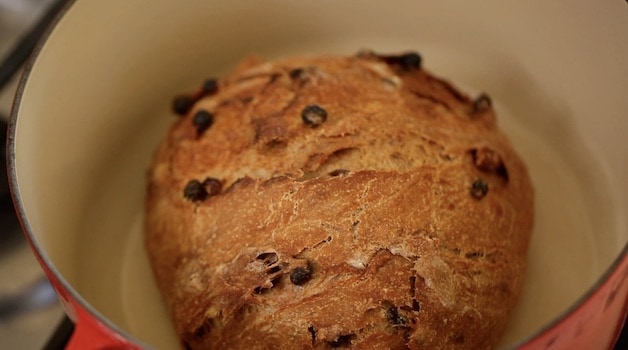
[{"x": 337, "y": 202}]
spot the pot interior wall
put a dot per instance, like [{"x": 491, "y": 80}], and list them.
[{"x": 97, "y": 102}]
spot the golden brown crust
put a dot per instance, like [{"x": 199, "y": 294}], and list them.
[{"x": 401, "y": 221}]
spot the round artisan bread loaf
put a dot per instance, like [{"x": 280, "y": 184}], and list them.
[{"x": 337, "y": 201}]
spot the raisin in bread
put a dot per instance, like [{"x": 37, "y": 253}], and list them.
[{"x": 331, "y": 202}]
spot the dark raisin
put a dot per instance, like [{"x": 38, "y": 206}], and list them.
[
  {"x": 199, "y": 191},
  {"x": 210, "y": 86},
  {"x": 481, "y": 104},
  {"x": 393, "y": 316},
  {"x": 203, "y": 120},
  {"x": 195, "y": 191},
  {"x": 301, "y": 275},
  {"x": 182, "y": 104},
  {"x": 296, "y": 73},
  {"x": 212, "y": 186},
  {"x": 479, "y": 189},
  {"x": 410, "y": 60},
  {"x": 313, "y": 115},
  {"x": 407, "y": 61}
]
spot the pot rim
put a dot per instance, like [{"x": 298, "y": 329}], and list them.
[
  {"x": 48, "y": 265},
  {"x": 39, "y": 252}
]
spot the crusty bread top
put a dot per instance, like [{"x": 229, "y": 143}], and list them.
[{"x": 338, "y": 201}]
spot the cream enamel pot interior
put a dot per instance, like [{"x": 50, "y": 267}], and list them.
[{"x": 94, "y": 102}]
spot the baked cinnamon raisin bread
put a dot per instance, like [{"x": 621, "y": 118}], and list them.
[{"x": 337, "y": 202}]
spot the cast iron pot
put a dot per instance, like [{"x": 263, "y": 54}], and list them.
[{"x": 95, "y": 100}]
